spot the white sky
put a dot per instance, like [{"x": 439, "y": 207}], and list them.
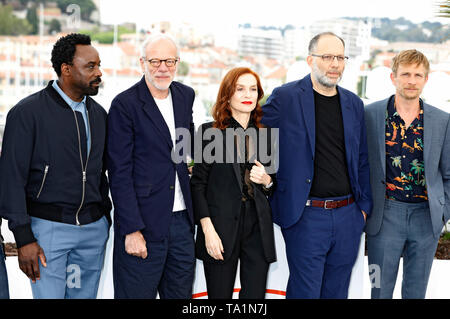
[{"x": 221, "y": 14}]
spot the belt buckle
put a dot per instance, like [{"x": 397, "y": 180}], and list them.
[{"x": 327, "y": 201}]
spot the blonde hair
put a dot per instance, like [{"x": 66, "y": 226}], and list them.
[{"x": 408, "y": 57}]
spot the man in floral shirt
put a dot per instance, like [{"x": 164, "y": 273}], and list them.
[
  {"x": 405, "y": 174},
  {"x": 409, "y": 156}
]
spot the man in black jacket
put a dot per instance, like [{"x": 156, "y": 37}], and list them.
[{"x": 54, "y": 190}]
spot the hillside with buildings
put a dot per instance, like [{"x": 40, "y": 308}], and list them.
[{"x": 276, "y": 54}]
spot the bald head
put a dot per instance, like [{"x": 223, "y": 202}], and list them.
[{"x": 312, "y": 48}]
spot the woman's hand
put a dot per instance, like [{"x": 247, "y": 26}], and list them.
[
  {"x": 258, "y": 174},
  {"x": 213, "y": 243}
]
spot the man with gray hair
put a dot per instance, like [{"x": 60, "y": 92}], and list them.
[
  {"x": 323, "y": 193},
  {"x": 154, "y": 226}
]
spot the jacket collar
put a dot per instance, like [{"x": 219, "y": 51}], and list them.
[
  {"x": 151, "y": 109},
  {"x": 58, "y": 98},
  {"x": 306, "y": 97},
  {"x": 233, "y": 123}
]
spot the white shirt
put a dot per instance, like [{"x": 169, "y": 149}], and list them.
[{"x": 165, "y": 106}]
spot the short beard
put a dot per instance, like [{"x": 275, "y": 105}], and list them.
[
  {"x": 322, "y": 78},
  {"x": 148, "y": 77},
  {"x": 89, "y": 89},
  {"x": 406, "y": 97},
  {"x": 92, "y": 90}
]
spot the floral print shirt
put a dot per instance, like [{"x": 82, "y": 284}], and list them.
[{"x": 405, "y": 169}]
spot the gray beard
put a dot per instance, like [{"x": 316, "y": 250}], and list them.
[
  {"x": 322, "y": 78},
  {"x": 150, "y": 80}
]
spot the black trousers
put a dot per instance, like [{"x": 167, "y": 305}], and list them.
[{"x": 220, "y": 277}]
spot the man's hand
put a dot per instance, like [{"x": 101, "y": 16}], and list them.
[
  {"x": 135, "y": 245},
  {"x": 29, "y": 256}
]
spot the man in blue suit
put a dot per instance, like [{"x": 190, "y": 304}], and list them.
[
  {"x": 323, "y": 193},
  {"x": 154, "y": 227},
  {"x": 409, "y": 156}
]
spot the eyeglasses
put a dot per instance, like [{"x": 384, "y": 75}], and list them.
[
  {"x": 330, "y": 57},
  {"x": 169, "y": 62}
]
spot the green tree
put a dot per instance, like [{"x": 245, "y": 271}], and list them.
[
  {"x": 10, "y": 24},
  {"x": 105, "y": 37},
  {"x": 54, "y": 26},
  {"x": 183, "y": 68},
  {"x": 33, "y": 19}
]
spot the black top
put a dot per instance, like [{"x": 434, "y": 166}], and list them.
[
  {"x": 331, "y": 177},
  {"x": 245, "y": 165},
  {"x": 217, "y": 192}
]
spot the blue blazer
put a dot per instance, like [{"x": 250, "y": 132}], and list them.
[
  {"x": 140, "y": 167},
  {"x": 436, "y": 155},
  {"x": 291, "y": 109}
]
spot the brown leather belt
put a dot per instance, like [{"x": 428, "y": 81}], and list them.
[{"x": 329, "y": 204}]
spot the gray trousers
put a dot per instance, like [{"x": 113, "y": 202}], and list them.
[{"x": 406, "y": 232}]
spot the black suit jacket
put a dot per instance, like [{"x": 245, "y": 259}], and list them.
[{"x": 217, "y": 193}]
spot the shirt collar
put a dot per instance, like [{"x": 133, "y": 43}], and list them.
[
  {"x": 65, "y": 97},
  {"x": 235, "y": 124},
  {"x": 391, "y": 110}
]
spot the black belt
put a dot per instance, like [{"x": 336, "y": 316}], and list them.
[{"x": 330, "y": 204}]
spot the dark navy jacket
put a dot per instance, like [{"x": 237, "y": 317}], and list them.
[
  {"x": 291, "y": 108},
  {"x": 140, "y": 166},
  {"x": 44, "y": 157}
]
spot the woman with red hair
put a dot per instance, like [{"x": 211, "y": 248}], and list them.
[{"x": 230, "y": 189}]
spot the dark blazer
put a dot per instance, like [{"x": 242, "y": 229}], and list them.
[
  {"x": 436, "y": 154},
  {"x": 217, "y": 193},
  {"x": 140, "y": 167},
  {"x": 291, "y": 109}
]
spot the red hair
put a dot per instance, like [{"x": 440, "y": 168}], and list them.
[{"x": 221, "y": 111}]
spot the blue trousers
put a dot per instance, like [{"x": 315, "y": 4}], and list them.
[
  {"x": 4, "y": 290},
  {"x": 167, "y": 270},
  {"x": 321, "y": 249},
  {"x": 75, "y": 256},
  {"x": 406, "y": 231}
]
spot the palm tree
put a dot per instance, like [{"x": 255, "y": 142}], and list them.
[
  {"x": 422, "y": 182},
  {"x": 397, "y": 161},
  {"x": 417, "y": 168}
]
